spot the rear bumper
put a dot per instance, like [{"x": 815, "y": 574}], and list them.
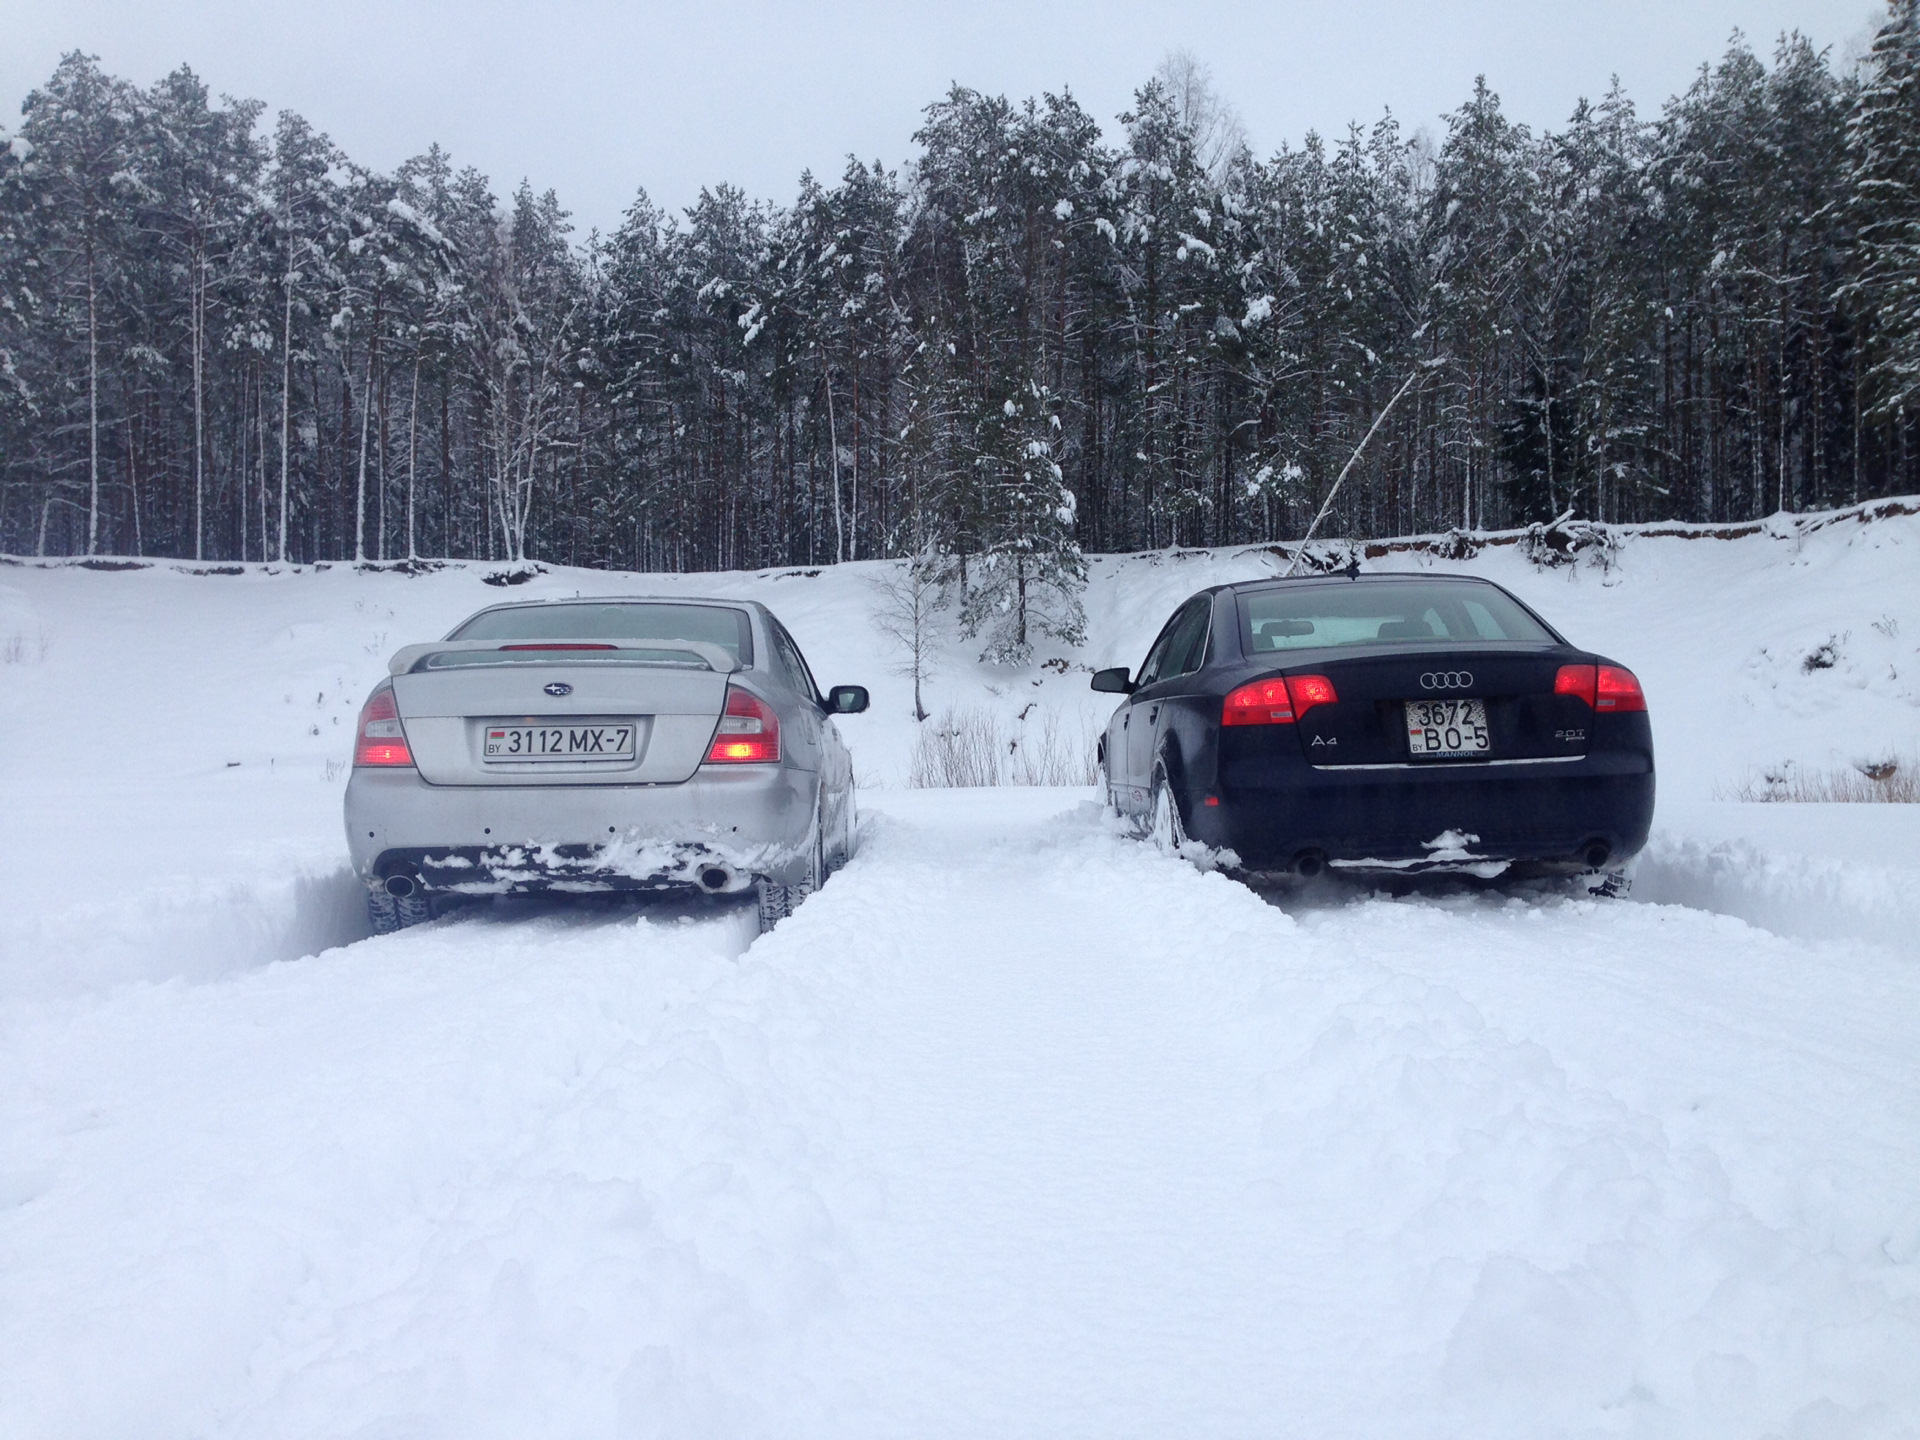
[
  {"x": 718, "y": 831},
  {"x": 1542, "y": 817}
]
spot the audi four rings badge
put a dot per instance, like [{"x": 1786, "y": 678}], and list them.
[{"x": 1447, "y": 680}]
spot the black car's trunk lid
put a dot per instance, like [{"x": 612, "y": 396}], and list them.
[{"x": 1368, "y": 724}]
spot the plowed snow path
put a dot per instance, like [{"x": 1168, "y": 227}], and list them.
[{"x": 1015, "y": 1129}]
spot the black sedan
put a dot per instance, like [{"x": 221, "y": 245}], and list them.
[{"x": 1380, "y": 723}]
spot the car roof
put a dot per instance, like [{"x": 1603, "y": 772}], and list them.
[
  {"x": 1338, "y": 577},
  {"x": 533, "y": 602}
]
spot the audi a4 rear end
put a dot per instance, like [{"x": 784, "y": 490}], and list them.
[
  {"x": 601, "y": 745},
  {"x": 1382, "y": 723}
]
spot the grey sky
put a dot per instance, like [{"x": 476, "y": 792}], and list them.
[{"x": 595, "y": 98}]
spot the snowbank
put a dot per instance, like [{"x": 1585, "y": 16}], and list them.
[
  {"x": 178, "y": 733},
  {"x": 1016, "y": 1128}
]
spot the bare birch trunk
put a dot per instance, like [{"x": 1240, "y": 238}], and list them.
[
  {"x": 133, "y": 491},
  {"x": 380, "y": 446},
  {"x": 360, "y": 486},
  {"x": 93, "y": 417},
  {"x": 853, "y": 529},
  {"x": 260, "y": 461},
  {"x": 833, "y": 445},
  {"x": 286, "y": 393},
  {"x": 413, "y": 415},
  {"x": 199, "y": 406}
]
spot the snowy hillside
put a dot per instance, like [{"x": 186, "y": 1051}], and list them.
[{"x": 1017, "y": 1127}]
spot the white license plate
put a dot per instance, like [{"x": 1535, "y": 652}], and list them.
[
  {"x": 569, "y": 741},
  {"x": 1438, "y": 728}
]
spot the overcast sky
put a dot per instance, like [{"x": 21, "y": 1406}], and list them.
[{"x": 595, "y": 98}]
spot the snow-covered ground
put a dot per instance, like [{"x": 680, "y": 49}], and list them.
[{"x": 1017, "y": 1128}]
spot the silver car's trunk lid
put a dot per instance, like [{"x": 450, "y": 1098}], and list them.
[{"x": 672, "y": 711}]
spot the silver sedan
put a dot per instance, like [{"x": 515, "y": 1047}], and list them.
[{"x": 643, "y": 744}]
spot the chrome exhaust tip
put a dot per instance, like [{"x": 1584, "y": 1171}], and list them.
[
  {"x": 401, "y": 886},
  {"x": 1309, "y": 863},
  {"x": 1596, "y": 853},
  {"x": 713, "y": 878}
]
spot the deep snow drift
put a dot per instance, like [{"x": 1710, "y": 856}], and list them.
[{"x": 1016, "y": 1128}]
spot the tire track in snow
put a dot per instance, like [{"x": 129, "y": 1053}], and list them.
[
  {"x": 1015, "y": 1128},
  {"x": 1155, "y": 1148}
]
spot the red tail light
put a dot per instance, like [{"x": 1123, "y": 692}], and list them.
[
  {"x": 1277, "y": 701},
  {"x": 380, "y": 740},
  {"x": 1604, "y": 687},
  {"x": 1575, "y": 680},
  {"x": 1309, "y": 691},
  {"x": 1617, "y": 690},
  {"x": 749, "y": 732}
]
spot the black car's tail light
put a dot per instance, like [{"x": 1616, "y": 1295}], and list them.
[
  {"x": 1264, "y": 702},
  {"x": 380, "y": 741},
  {"x": 749, "y": 732},
  {"x": 1277, "y": 701},
  {"x": 1617, "y": 690},
  {"x": 1575, "y": 680},
  {"x": 1608, "y": 688},
  {"x": 1308, "y": 691}
]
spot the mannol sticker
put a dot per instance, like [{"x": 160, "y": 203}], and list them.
[{"x": 1447, "y": 680}]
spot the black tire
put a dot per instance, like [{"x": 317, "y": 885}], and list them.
[
  {"x": 775, "y": 904},
  {"x": 1113, "y": 797},
  {"x": 840, "y": 854},
  {"x": 388, "y": 913},
  {"x": 1165, "y": 829},
  {"x": 779, "y": 901},
  {"x": 816, "y": 874}
]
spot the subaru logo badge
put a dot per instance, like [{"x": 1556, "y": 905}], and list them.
[{"x": 557, "y": 687}]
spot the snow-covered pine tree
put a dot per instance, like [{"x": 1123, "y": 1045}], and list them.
[
  {"x": 1883, "y": 146},
  {"x": 77, "y": 148},
  {"x": 1029, "y": 573}
]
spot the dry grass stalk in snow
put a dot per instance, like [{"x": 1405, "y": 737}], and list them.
[
  {"x": 19, "y": 648},
  {"x": 969, "y": 746},
  {"x": 1889, "y": 781}
]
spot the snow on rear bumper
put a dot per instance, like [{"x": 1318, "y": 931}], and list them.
[
  {"x": 754, "y": 821},
  {"x": 1535, "y": 817}
]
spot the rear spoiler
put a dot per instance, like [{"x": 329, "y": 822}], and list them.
[{"x": 410, "y": 658}]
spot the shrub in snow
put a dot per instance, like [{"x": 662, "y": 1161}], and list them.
[
  {"x": 1887, "y": 779},
  {"x": 970, "y": 746}
]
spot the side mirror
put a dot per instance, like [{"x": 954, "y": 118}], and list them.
[
  {"x": 846, "y": 699},
  {"x": 1114, "y": 681}
]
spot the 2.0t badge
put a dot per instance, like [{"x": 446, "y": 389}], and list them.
[{"x": 557, "y": 687}]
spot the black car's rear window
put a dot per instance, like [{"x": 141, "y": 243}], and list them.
[
  {"x": 1380, "y": 612},
  {"x": 720, "y": 625}
]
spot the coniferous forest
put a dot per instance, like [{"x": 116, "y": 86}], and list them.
[{"x": 220, "y": 338}]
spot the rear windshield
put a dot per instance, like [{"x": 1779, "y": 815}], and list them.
[
  {"x": 1380, "y": 612},
  {"x": 720, "y": 625}
]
